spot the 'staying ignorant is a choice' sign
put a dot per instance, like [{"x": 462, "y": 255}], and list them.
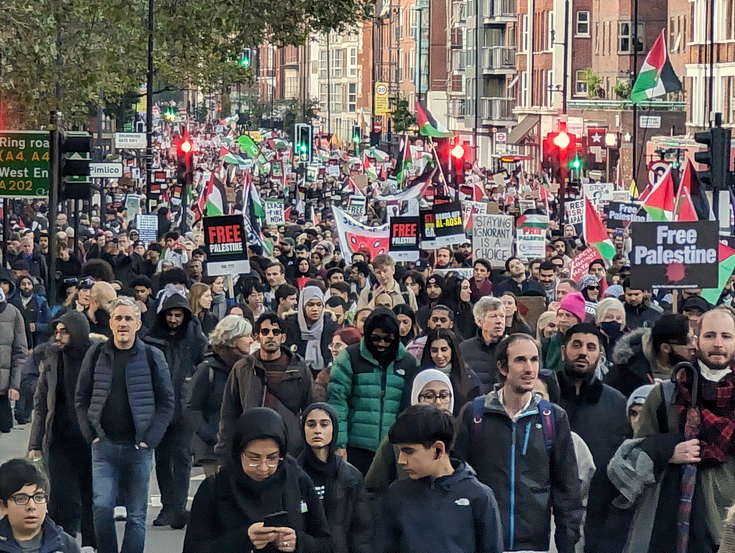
[
  {"x": 674, "y": 255},
  {"x": 492, "y": 239}
]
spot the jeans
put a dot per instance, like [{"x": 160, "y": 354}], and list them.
[
  {"x": 124, "y": 471},
  {"x": 173, "y": 465},
  {"x": 24, "y": 406},
  {"x": 70, "y": 503}
]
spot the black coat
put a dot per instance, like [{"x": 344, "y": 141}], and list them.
[
  {"x": 203, "y": 404},
  {"x": 347, "y": 510},
  {"x": 219, "y": 518},
  {"x": 597, "y": 402},
  {"x": 480, "y": 357},
  {"x": 640, "y": 316}
]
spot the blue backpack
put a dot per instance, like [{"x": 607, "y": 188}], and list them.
[{"x": 545, "y": 413}]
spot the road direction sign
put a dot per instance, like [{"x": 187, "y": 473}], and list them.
[
  {"x": 130, "y": 140},
  {"x": 24, "y": 164},
  {"x": 106, "y": 170}
]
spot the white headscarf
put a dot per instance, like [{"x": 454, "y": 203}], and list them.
[
  {"x": 426, "y": 376},
  {"x": 312, "y": 336}
]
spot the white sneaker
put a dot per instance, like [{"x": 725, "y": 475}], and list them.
[
  {"x": 121, "y": 513},
  {"x": 87, "y": 549}
]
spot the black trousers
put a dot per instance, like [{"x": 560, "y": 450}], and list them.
[
  {"x": 70, "y": 501},
  {"x": 360, "y": 458},
  {"x": 6, "y": 414},
  {"x": 173, "y": 465}
]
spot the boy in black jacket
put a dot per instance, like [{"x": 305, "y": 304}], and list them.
[{"x": 441, "y": 506}]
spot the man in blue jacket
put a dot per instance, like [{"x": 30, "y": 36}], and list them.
[
  {"x": 124, "y": 403},
  {"x": 441, "y": 506}
]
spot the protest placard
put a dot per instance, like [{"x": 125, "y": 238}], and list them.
[
  {"x": 448, "y": 224},
  {"x": 225, "y": 242},
  {"x": 492, "y": 239},
  {"x": 274, "y": 212},
  {"x": 404, "y": 238}
]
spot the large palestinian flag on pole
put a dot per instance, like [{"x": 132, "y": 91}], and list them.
[
  {"x": 428, "y": 125},
  {"x": 656, "y": 77}
]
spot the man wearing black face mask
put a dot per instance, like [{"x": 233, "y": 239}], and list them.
[
  {"x": 588, "y": 402},
  {"x": 366, "y": 388},
  {"x": 646, "y": 354}
]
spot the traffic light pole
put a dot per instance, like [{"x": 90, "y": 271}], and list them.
[{"x": 53, "y": 201}]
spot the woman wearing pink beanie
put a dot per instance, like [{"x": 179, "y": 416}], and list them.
[{"x": 571, "y": 312}]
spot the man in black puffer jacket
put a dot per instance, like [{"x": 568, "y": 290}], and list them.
[
  {"x": 124, "y": 401},
  {"x": 179, "y": 337},
  {"x": 479, "y": 352}
]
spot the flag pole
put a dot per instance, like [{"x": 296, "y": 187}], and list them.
[{"x": 438, "y": 163}]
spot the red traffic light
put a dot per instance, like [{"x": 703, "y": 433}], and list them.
[
  {"x": 562, "y": 140},
  {"x": 458, "y": 151},
  {"x": 185, "y": 146}
]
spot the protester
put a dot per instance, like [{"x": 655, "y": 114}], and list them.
[
  {"x": 13, "y": 352},
  {"x": 479, "y": 352},
  {"x": 200, "y": 304},
  {"x": 340, "y": 340},
  {"x": 310, "y": 329},
  {"x": 514, "y": 321}
]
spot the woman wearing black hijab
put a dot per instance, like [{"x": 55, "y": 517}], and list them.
[
  {"x": 337, "y": 483},
  {"x": 258, "y": 479}
]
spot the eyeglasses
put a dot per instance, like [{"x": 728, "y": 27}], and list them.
[
  {"x": 376, "y": 339},
  {"x": 61, "y": 332},
  {"x": 593, "y": 287},
  {"x": 268, "y": 331},
  {"x": 433, "y": 397},
  {"x": 269, "y": 462},
  {"x": 23, "y": 499}
]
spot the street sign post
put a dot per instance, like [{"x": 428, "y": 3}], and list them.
[
  {"x": 106, "y": 170},
  {"x": 24, "y": 164}
]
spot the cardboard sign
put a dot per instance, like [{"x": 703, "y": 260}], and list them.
[
  {"x": 599, "y": 192},
  {"x": 526, "y": 205},
  {"x": 531, "y": 242},
  {"x": 426, "y": 226},
  {"x": 404, "y": 238},
  {"x": 621, "y": 214},
  {"x": 226, "y": 245},
  {"x": 574, "y": 212},
  {"x": 580, "y": 265},
  {"x": 333, "y": 171},
  {"x": 274, "y": 212},
  {"x": 492, "y": 239},
  {"x": 620, "y": 196},
  {"x": 674, "y": 255},
  {"x": 448, "y": 224},
  {"x": 356, "y": 207}
]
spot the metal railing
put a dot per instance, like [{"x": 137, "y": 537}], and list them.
[
  {"x": 498, "y": 58},
  {"x": 498, "y": 10},
  {"x": 497, "y": 109}
]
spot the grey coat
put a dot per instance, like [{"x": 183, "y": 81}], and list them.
[{"x": 13, "y": 350}]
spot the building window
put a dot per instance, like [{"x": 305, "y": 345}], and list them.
[
  {"x": 353, "y": 62},
  {"x": 524, "y": 33},
  {"x": 582, "y": 25},
  {"x": 322, "y": 64},
  {"x": 352, "y": 97},
  {"x": 550, "y": 16},
  {"x": 580, "y": 85},
  {"x": 323, "y": 96},
  {"x": 551, "y": 89},
  {"x": 625, "y": 37},
  {"x": 336, "y": 61},
  {"x": 524, "y": 88},
  {"x": 335, "y": 95}
]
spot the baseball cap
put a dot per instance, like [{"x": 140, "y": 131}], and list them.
[
  {"x": 289, "y": 241},
  {"x": 422, "y": 265},
  {"x": 696, "y": 302},
  {"x": 86, "y": 283}
]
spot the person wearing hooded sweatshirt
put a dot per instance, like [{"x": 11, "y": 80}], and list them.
[
  {"x": 183, "y": 345},
  {"x": 337, "y": 483},
  {"x": 366, "y": 388},
  {"x": 310, "y": 330},
  {"x": 26, "y": 526},
  {"x": 274, "y": 377},
  {"x": 230, "y": 341},
  {"x": 441, "y": 506},
  {"x": 55, "y": 432},
  {"x": 13, "y": 353},
  {"x": 258, "y": 479},
  {"x": 429, "y": 386}
]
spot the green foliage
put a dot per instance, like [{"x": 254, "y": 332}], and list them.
[
  {"x": 94, "y": 51},
  {"x": 593, "y": 81},
  {"x": 402, "y": 118},
  {"x": 622, "y": 89}
]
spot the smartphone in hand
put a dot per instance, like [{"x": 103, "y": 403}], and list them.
[{"x": 276, "y": 520}]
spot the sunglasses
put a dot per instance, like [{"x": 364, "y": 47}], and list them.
[
  {"x": 375, "y": 339},
  {"x": 268, "y": 331},
  {"x": 593, "y": 288}
]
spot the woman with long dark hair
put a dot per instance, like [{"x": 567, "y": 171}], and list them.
[
  {"x": 456, "y": 295},
  {"x": 514, "y": 321},
  {"x": 443, "y": 353},
  {"x": 416, "y": 282},
  {"x": 406, "y": 323}
]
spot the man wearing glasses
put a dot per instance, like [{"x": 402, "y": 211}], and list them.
[
  {"x": 272, "y": 377},
  {"x": 366, "y": 388},
  {"x": 23, "y": 501}
]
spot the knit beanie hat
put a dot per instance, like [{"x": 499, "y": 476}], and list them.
[
  {"x": 575, "y": 304},
  {"x": 614, "y": 291}
]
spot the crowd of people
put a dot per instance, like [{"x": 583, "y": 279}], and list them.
[{"x": 358, "y": 406}]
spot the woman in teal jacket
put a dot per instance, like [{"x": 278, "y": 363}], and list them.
[{"x": 366, "y": 388}]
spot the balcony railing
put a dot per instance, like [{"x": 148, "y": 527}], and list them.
[
  {"x": 457, "y": 108},
  {"x": 459, "y": 60},
  {"x": 497, "y": 109},
  {"x": 499, "y": 11},
  {"x": 498, "y": 59}
]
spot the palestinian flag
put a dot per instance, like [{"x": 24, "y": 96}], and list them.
[
  {"x": 656, "y": 77},
  {"x": 252, "y": 198},
  {"x": 726, "y": 257},
  {"x": 213, "y": 200},
  {"x": 595, "y": 233},
  {"x": 659, "y": 203},
  {"x": 684, "y": 210},
  {"x": 532, "y": 220},
  {"x": 403, "y": 163},
  {"x": 428, "y": 126}
]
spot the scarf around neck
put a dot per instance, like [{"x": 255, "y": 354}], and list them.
[{"x": 312, "y": 336}]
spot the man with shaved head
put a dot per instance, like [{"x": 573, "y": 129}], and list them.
[{"x": 101, "y": 295}]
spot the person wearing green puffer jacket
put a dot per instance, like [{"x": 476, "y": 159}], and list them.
[{"x": 366, "y": 388}]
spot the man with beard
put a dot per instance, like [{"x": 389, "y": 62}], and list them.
[
  {"x": 359, "y": 277},
  {"x": 706, "y": 444},
  {"x": 366, "y": 388},
  {"x": 649, "y": 354},
  {"x": 55, "y": 433},
  {"x": 288, "y": 257},
  {"x": 588, "y": 401},
  {"x": 272, "y": 377},
  {"x": 548, "y": 280},
  {"x": 443, "y": 258},
  {"x": 518, "y": 281},
  {"x": 180, "y": 339},
  {"x": 100, "y": 297},
  {"x": 434, "y": 287}
]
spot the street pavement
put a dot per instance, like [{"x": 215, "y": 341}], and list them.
[{"x": 158, "y": 540}]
